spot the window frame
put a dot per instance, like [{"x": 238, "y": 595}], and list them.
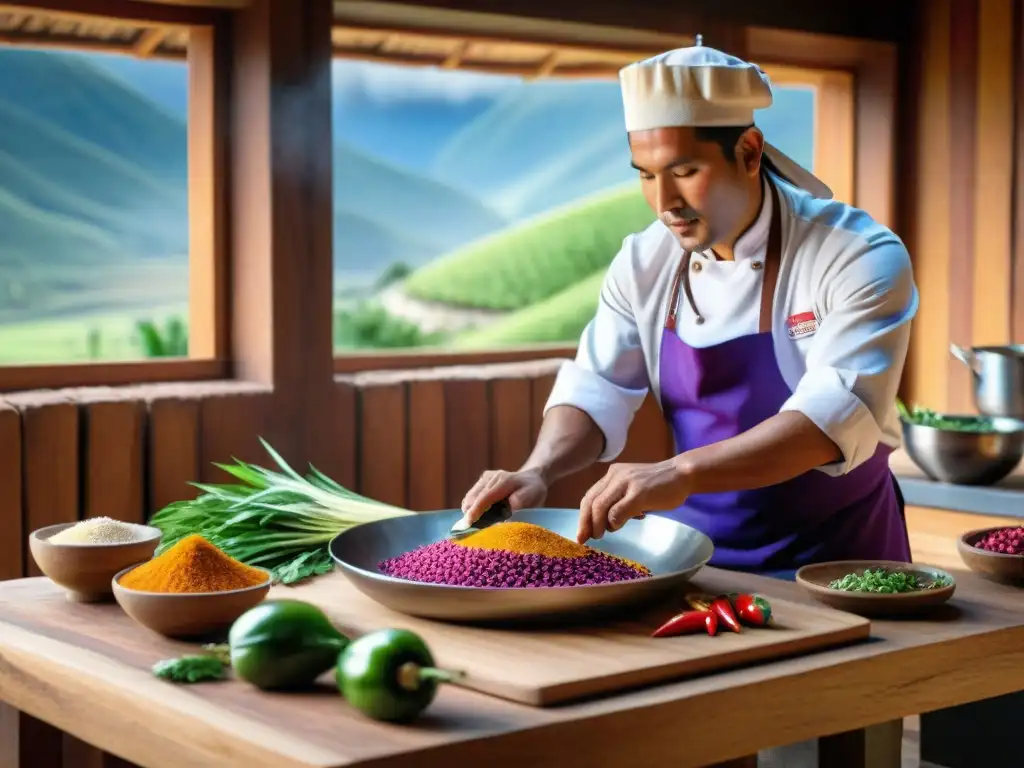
[
  {"x": 838, "y": 112},
  {"x": 209, "y": 322}
]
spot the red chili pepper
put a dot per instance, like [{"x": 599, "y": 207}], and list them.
[
  {"x": 687, "y": 623},
  {"x": 722, "y": 607},
  {"x": 752, "y": 609}
]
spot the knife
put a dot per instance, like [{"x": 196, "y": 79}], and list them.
[{"x": 499, "y": 512}]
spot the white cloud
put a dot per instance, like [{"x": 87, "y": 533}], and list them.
[{"x": 389, "y": 83}]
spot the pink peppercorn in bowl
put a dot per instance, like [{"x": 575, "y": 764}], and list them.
[{"x": 995, "y": 553}]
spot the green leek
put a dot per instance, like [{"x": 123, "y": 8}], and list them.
[{"x": 278, "y": 520}]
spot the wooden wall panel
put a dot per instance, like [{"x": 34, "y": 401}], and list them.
[
  {"x": 962, "y": 82},
  {"x": 230, "y": 425},
  {"x": 963, "y": 98},
  {"x": 382, "y": 442},
  {"x": 343, "y": 429},
  {"x": 113, "y": 456},
  {"x": 512, "y": 434},
  {"x": 173, "y": 451},
  {"x": 12, "y": 543},
  {"x": 50, "y": 461},
  {"x": 993, "y": 183},
  {"x": 1017, "y": 235},
  {"x": 467, "y": 445},
  {"x": 428, "y": 440}
]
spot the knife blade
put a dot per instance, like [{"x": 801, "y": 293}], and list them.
[{"x": 498, "y": 512}]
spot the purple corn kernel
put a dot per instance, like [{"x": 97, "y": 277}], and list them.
[{"x": 459, "y": 566}]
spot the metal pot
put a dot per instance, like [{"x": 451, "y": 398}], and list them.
[{"x": 998, "y": 374}]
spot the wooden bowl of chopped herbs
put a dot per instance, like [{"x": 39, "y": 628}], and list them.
[{"x": 877, "y": 587}]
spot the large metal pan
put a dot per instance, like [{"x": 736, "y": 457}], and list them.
[
  {"x": 674, "y": 552},
  {"x": 998, "y": 374}
]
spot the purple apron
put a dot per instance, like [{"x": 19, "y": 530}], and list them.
[{"x": 718, "y": 392}]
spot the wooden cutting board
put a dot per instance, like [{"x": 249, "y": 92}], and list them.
[{"x": 554, "y": 666}]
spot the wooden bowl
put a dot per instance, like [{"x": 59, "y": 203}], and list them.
[
  {"x": 85, "y": 570},
  {"x": 996, "y": 566},
  {"x": 188, "y": 615},
  {"x": 816, "y": 578}
]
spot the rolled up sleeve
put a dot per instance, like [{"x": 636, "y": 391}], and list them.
[
  {"x": 857, "y": 356},
  {"x": 608, "y": 379}
]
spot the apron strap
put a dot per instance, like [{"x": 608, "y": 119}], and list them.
[{"x": 772, "y": 262}]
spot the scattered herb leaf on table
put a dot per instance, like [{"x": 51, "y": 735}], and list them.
[{"x": 190, "y": 669}]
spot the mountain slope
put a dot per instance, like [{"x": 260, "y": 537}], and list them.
[
  {"x": 90, "y": 170},
  {"x": 535, "y": 148},
  {"x": 69, "y": 90},
  {"x": 535, "y": 259},
  {"x": 431, "y": 216}
]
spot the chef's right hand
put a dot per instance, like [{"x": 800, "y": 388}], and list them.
[{"x": 522, "y": 489}]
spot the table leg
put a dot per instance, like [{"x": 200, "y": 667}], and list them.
[
  {"x": 26, "y": 742},
  {"x": 879, "y": 746},
  {"x": 982, "y": 733}
]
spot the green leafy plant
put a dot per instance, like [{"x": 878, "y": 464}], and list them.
[
  {"x": 369, "y": 326},
  {"x": 279, "y": 520},
  {"x": 169, "y": 341},
  {"x": 94, "y": 344}
]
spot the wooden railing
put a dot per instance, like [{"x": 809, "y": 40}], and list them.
[{"x": 417, "y": 439}]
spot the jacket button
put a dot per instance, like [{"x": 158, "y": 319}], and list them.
[
  {"x": 756, "y": 265},
  {"x": 697, "y": 267}
]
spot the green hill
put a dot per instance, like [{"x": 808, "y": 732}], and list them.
[
  {"x": 536, "y": 259},
  {"x": 559, "y": 318}
]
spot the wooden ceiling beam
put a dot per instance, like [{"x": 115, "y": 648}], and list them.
[
  {"x": 548, "y": 66},
  {"x": 137, "y": 11},
  {"x": 453, "y": 59},
  {"x": 75, "y": 43},
  {"x": 591, "y": 49},
  {"x": 882, "y": 20},
  {"x": 525, "y": 70},
  {"x": 149, "y": 41}
]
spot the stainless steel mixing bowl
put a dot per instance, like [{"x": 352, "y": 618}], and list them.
[
  {"x": 966, "y": 458},
  {"x": 674, "y": 552}
]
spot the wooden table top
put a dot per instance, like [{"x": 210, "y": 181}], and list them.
[{"x": 86, "y": 670}]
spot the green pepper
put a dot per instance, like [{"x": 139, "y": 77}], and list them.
[
  {"x": 284, "y": 644},
  {"x": 389, "y": 675}
]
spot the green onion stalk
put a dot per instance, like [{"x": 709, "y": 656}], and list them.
[{"x": 278, "y": 520}]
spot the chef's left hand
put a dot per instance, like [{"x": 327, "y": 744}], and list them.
[{"x": 627, "y": 491}]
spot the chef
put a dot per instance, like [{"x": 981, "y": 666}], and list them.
[{"x": 769, "y": 321}]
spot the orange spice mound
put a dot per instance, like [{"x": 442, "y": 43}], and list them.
[
  {"x": 192, "y": 565},
  {"x": 530, "y": 539}
]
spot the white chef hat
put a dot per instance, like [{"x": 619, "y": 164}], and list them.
[{"x": 701, "y": 86}]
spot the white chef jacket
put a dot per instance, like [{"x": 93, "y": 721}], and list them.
[{"x": 843, "y": 366}]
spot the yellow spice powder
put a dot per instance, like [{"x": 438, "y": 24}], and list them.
[{"x": 530, "y": 539}]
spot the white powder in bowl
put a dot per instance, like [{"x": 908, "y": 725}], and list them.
[{"x": 100, "y": 530}]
